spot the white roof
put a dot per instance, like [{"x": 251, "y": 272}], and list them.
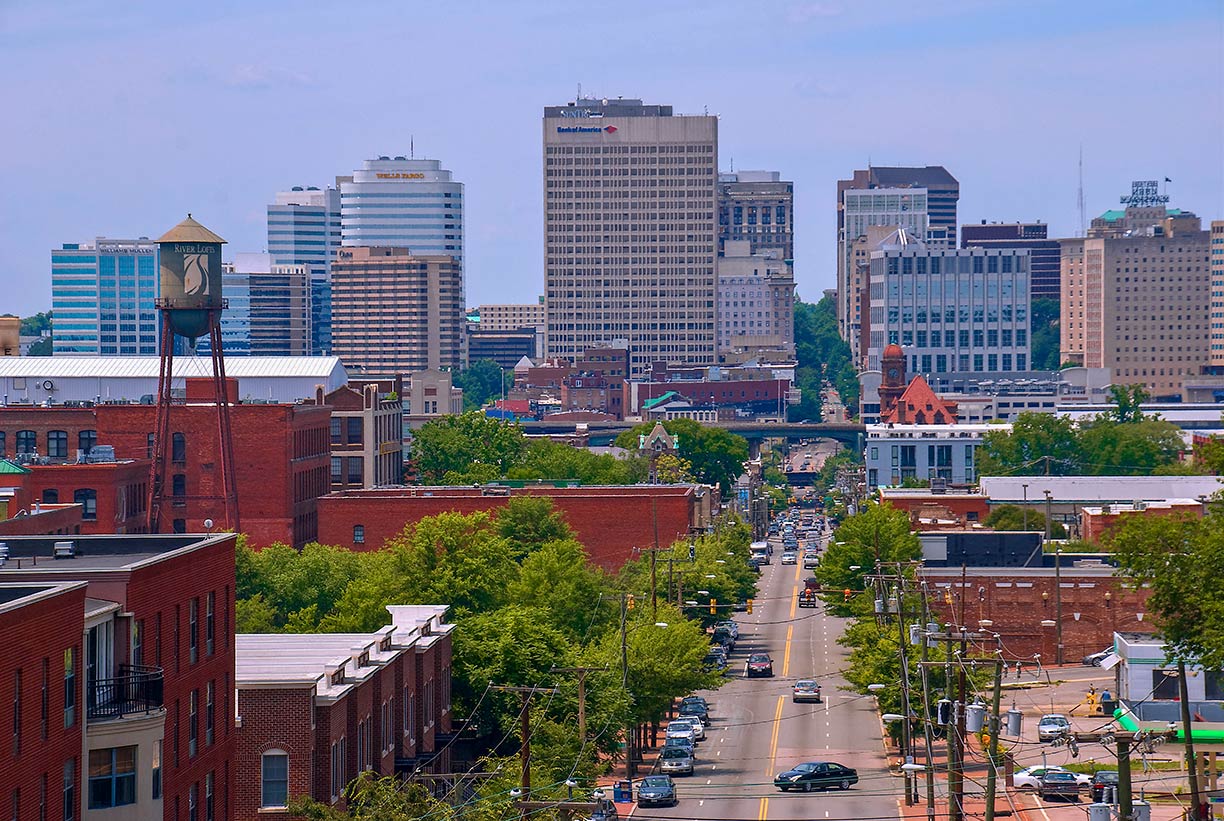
[
  {"x": 146, "y": 367},
  {"x": 1098, "y": 488}
]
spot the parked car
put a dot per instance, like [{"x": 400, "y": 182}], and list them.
[
  {"x": 695, "y": 708},
  {"x": 725, "y": 637},
  {"x": 1029, "y": 779},
  {"x": 816, "y": 775},
  {"x": 715, "y": 662},
  {"x": 686, "y": 744},
  {"x": 1095, "y": 659},
  {"x": 759, "y": 664},
  {"x": 675, "y": 760},
  {"x": 692, "y": 721},
  {"x": 657, "y": 791},
  {"x": 681, "y": 730},
  {"x": 1059, "y": 783},
  {"x": 1052, "y": 726},
  {"x": 806, "y": 689},
  {"x": 1100, "y": 781},
  {"x": 730, "y": 625},
  {"x": 790, "y": 557}
]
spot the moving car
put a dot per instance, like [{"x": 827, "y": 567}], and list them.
[
  {"x": 1101, "y": 780},
  {"x": 1059, "y": 783},
  {"x": 808, "y": 598},
  {"x": 657, "y": 791},
  {"x": 1029, "y": 779},
  {"x": 818, "y": 775},
  {"x": 811, "y": 559},
  {"x": 759, "y": 664},
  {"x": 789, "y": 557},
  {"x": 806, "y": 689},
  {"x": 1052, "y": 726},
  {"x": 1095, "y": 659},
  {"x": 675, "y": 760},
  {"x": 681, "y": 730}
]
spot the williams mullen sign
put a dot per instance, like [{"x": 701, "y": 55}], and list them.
[{"x": 578, "y": 129}]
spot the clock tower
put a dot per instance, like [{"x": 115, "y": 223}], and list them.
[{"x": 892, "y": 382}]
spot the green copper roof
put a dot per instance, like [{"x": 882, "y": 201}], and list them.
[
  {"x": 1113, "y": 216},
  {"x": 11, "y": 467},
  {"x": 650, "y": 403}
]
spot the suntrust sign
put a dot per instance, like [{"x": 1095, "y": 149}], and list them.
[{"x": 579, "y": 129}]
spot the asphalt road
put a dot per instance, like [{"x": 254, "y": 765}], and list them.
[{"x": 757, "y": 731}]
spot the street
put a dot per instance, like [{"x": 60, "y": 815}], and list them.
[{"x": 757, "y": 732}]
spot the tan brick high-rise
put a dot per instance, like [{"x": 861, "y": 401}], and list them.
[
  {"x": 1135, "y": 297},
  {"x": 394, "y": 312},
  {"x": 630, "y": 231}
]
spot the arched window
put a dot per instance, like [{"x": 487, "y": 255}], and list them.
[
  {"x": 27, "y": 441},
  {"x": 57, "y": 444},
  {"x": 178, "y": 448},
  {"x": 274, "y": 779},
  {"x": 87, "y": 497},
  {"x": 86, "y": 440}
]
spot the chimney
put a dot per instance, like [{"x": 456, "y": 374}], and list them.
[{"x": 318, "y": 394}]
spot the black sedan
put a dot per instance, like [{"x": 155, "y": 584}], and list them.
[
  {"x": 695, "y": 708},
  {"x": 1102, "y": 780},
  {"x": 816, "y": 775},
  {"x": 657, "y": 790}
]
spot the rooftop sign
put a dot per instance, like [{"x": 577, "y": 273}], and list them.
[{"x": 1144, "y": 194}]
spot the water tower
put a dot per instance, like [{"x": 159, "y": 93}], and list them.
[{"x": 190, "y": 306}]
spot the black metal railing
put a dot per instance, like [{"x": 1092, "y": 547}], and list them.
[{"x": 136, "y": 690}]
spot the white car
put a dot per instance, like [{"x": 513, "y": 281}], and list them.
[
  {"x": 681, "y": 730},
  {"x": 1052, "y": 726},
  {"x": 1029, "y": 779},
  {"x": 690, "y": 721}
]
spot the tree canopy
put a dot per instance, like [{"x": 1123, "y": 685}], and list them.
[
  {"x": 1014, "y": 517},
  {"x": 482, "y": 381},
  {"x": 875, "y": 535},
  {"x": 460, "y": 445},
  {"x": 715, "y": 456},
  {"x": 1044, "y": 333},
  {"x": 821, "y": 354}
]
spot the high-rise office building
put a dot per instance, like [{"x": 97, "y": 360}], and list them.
[
  {"x": 403, "y": 203},
  {"x": 920, "y": 200},
  {"x": 756, "y": 300},
  {"x": 951, "y": 311},
  {"x": 1136, "y": 294},
  {"x": 630, "y": 231},
  {"x": 269, "y": 308},
  {"x": 304, "y": 229},
  {"x": 396, "y": 312},
  {"x": 511, "y": 317},
  {"x": 1043, "y": 251},
  {"x": 1217, "y": 294},
  {"x": 103, "y": 298},
  {"x": 757, "y": 206}
]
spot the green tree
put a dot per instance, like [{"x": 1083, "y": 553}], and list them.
[
  {"x": 1181, "y": 559},
  {"x": 1127, "y": 401},
  {"x": 371, "y": 798},
  {"x": 529, "y": 522},
  {"x": 1209, "y": 456},
  {"x": 294, "y": 587},
  {"x": 1014, "y": 517},
  {"x": 1135, "y": 448},
  {"x": 35, "y": 325},
  {"x": 717, "y": 457},
  {"x": 877, "y": 534},
  {"x": 482, "y": 381},
  {"x": 454, "y": 444},
  {"x": 1044, "y": 332},
  {"x": 1037, "y": 443},
  {"x": 558, "y": 462},
  {"x": 821, "y": 354},
  {"x": 565, "y": 589}
]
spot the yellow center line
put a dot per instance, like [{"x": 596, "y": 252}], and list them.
[
  {"x": 764, "y": 813},
  {"x": 790, "y": 629},
  {"x": 773, "y": 751}
]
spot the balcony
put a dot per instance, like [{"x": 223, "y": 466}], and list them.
[{"x": 136, "y": 691}]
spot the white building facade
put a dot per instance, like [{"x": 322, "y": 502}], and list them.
[
  {"x": 756, "y": 299},
  {"x": 405, "y": 203},
  {"x": 896, "y": 453}
]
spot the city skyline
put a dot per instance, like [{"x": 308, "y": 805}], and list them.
[{"x": 1016, "y": 97}]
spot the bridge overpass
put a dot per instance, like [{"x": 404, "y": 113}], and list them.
[{"x": 850, "y": 434}]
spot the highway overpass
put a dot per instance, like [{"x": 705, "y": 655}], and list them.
[{"x": 603, "y": 433}]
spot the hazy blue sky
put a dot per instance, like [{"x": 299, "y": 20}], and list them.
[{"x": 121, "y": 117}]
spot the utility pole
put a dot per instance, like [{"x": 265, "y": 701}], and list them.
[
  {"x": 926, "y": 712},
  {"x": 625, "y": 681},
  {"x": 1125, "y": 743},
  {"x": 992, "y": 753},
  {"x": 582, "y": 673},
  {"x": 1196, "y": 795},
  {"x": 525, "y": 693},
  {"x": 1058, "y": 614}
]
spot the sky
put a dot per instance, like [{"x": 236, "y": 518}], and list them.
[{"x": 122, "y": 117}]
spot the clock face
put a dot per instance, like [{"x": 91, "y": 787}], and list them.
[{"x": 892, "y": 373}]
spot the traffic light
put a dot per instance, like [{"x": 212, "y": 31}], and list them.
[
  {"x": 629, "y": 602},
  {"x": 713, "y": 607},
  {"x": 750, "y": 605},
  {"x": 846, "y": 593}
]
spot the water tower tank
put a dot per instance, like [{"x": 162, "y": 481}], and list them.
[{"x": 190, "y": 278}]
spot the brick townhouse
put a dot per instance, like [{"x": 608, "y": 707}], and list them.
[
  {"x": 145, "y": 661},
  {"x": 314, "y": 710}
]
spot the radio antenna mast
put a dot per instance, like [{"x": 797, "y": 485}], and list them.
[{"x": 1083, "y": 224}]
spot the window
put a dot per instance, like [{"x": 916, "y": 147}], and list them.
[
  {"x": 3, "y": 449},
  {"x": 210, "y": 624},
  {"x": 149, "y": 446},
  {"x": 44, "y": 702},
  {"x": 355, "y": 430},
  {"x": 337, "y": 470},
  {"x": 354, "y": 470},
  {"x": 69, "y": 687},
  {"x": 1164, "y": 685},
  {"x": 180, "y": 525},
  {"x": 69, "y": 789},
  {"x": 358, "y": 534},
  {"x": 337, "y": 435},
  {"x": 274, "y": 779},
  {"x": 210, "y": 713},
  {"x": 27, "y": 441},
  {"x": 178, "y": 484},
  {"x": 193, "y": 630},
  {"x": 17, "y": 713},
  {"x": 112, "y": 777},
  {"x": 86, "y": 440},
  {"x": 156, "y": 778},
  {"x": 178, "y": 447},
  {"x": 193, "y": 802},
  {"x": 208, "y": 798},
  {"x": 57, "y": 444},
  {"x": 87, "y": 497},
  {"x": 50, "y": 496},
  {"x": 193, "y": 723}
]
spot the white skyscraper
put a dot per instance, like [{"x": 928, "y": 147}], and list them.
[{"x": 414, "y": 204}]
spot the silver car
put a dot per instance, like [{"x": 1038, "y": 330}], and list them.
[
  {"x": 675, "y": 761},
  {"x": 1052, "y": 726}
]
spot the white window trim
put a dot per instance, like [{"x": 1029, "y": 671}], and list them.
[{"x": 262, "y": 758}]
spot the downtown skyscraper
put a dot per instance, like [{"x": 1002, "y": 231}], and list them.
[
  {"x": 630, "y": 231},
  {"x": 103, "y": 298},
  {"x": 304, "y": 229}
]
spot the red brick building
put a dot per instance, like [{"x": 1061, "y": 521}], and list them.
[
  {"x": 1097, "y": 520},
  {"x": 41, "y": 770},
  {"x": 282, "y": 462},
  {"x": 1018, "y": 600},
  {"x": 316, "y": 710},
  {"x": 154, "y": 674},
  {"x": 929, "y": 510},
  {"x": 610, "y": 521},
  {"x": 919, "y": 405}
]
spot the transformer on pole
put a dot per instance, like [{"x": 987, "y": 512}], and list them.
[{"x": 190, "y": 306}]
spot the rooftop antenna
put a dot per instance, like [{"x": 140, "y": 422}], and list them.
[
  {"x": 579, "y": 91},
  {"x": 733, "y": 165},
  {"x": 411, "y": 147},
  {"x": 1080, "y": 199}
]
